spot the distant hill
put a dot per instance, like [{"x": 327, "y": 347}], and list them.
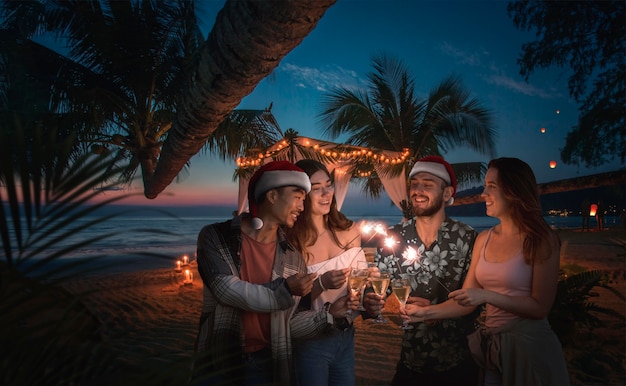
[{"x": 614, "y": 198}]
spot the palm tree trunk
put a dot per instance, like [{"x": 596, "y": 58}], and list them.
[{"x": 248, "y": 41}]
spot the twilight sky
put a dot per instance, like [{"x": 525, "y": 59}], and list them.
[{"x": 434, "y": 39}]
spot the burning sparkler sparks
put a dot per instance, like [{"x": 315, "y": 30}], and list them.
[
  {"x": 410, "y": 255},
  {"x": 367, "y": 228}
]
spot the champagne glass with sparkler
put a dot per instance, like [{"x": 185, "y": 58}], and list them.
[
  {"x": 380, "y": 282},
  {"x": 401, "y": 287},
  {"x": 357, "y": 279}
]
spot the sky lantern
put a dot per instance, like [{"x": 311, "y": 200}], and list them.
[
  {"x": 593, "y": 209},
  {"x": 558, "y": 111},
  {"x": 543, "y": 130},
  {"x": 552, "y": 164}
]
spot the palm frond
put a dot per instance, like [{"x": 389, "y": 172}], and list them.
[
  {"x": 388, "y": 116},
  {"x": 86, "y": 87},
  {"x": 351, "y": 112},
  {"x": 573, "y": 308},
  {"x": 244, "y": 130},
  {"x": 44, "y": 202}
]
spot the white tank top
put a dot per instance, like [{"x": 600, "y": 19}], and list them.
[{"x": 343, "y": 260}]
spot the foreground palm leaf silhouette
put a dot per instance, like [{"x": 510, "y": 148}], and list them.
[
  {"x": 574, "y": 317},
  {"x": 573, "y": 308},
  {"x": 47, "y": 336}
]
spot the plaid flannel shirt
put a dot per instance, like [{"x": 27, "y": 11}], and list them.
[{"x": 220, "y": 340}]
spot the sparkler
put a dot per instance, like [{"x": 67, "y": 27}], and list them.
[
  {"x": 410, "y": 255},
  {"x": 375, "y": 228},
  {"x": 367, "y": 228},
  {"x": 390, "y": 243}
]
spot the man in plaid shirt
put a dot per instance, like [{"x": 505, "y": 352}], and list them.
[{"x": 253, "y": 280}]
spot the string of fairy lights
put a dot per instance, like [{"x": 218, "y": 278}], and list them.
[{"x": 335, "y": 152}]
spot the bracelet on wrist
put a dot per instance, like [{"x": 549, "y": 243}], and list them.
[{"x": 319, "y": 280}]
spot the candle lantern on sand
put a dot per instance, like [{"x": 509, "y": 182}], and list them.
[
  {"x": 185, "y": 260},
  {"x": 179, "y": 265},
  {"x": 188, "y": 280}
]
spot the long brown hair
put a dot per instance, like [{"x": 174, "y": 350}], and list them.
[
  {"x": 303, "y": 233},
  {"x": 519, "y": 186}
]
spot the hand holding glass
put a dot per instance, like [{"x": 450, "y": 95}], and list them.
[
  {"x": 401, "y": 287},
  {"x": 380, "y": 282},
  {"x": 356, "y": 282}
]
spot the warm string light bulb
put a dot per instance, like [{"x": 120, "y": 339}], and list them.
[{"x": 338, "y": 152}]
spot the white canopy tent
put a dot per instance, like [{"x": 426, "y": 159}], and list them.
[{"x": 339, "y": 159}]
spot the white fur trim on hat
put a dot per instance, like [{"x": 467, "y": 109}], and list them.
[
  {"x": 273, "y": 175},
  {"x": 277, "y": 178},
  {"x": 438, "y": 167},
  {"x": 434, "y": 168}
]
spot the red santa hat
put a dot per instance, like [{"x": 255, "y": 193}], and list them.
[
  {"x": 273, "y": 175},
  {"x": 438, "y": 167}
]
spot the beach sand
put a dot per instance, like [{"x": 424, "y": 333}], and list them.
[{"x": 150, "y": 317}]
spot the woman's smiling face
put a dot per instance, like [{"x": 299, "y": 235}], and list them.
[
  {"x": 495, "y": 203},
  {"x": 321, "y": 195}
]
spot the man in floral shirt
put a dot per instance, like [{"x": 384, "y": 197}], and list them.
[{"x": 434, "y": 251}]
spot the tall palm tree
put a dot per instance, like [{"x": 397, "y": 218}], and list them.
[
  {"x": 389, "y": 116},
  {"x": 118, "y": 71}
]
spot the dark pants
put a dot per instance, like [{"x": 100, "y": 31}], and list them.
[
  {"x": 258, "y": 368},
  {"x": 465, "y": 374},
  {"x": 255, "y": 369}
]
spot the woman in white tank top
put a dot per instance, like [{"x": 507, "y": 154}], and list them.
[{"x": 331, "y": 245}]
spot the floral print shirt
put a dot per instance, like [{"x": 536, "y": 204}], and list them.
[{"x": 434, "y": 271}]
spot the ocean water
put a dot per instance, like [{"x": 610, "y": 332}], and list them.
[{"x": 157, "y": 241}]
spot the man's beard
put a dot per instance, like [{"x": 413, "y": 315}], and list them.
[{"x": 434, "y": 206}]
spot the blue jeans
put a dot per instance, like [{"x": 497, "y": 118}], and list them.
[{"x": 325, "y": 360}]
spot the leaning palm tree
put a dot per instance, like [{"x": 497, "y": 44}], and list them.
[
  {"x": 389, "y": 116},
  {"x": 125, "y": 71},
  {"x": 247, "y": 42}
]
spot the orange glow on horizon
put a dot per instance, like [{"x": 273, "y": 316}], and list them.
[{"x": 174, "y": 195}]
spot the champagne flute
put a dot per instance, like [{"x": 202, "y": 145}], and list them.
[
  {"x": 365, "y": 266},
  {"x": 380, "y": 282},
  {"x": 401, "y": 287},
  {"x": 370, "y": 254},
  {"x": 356, "y": 281},
  {"x": 372, "y": 268}
]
